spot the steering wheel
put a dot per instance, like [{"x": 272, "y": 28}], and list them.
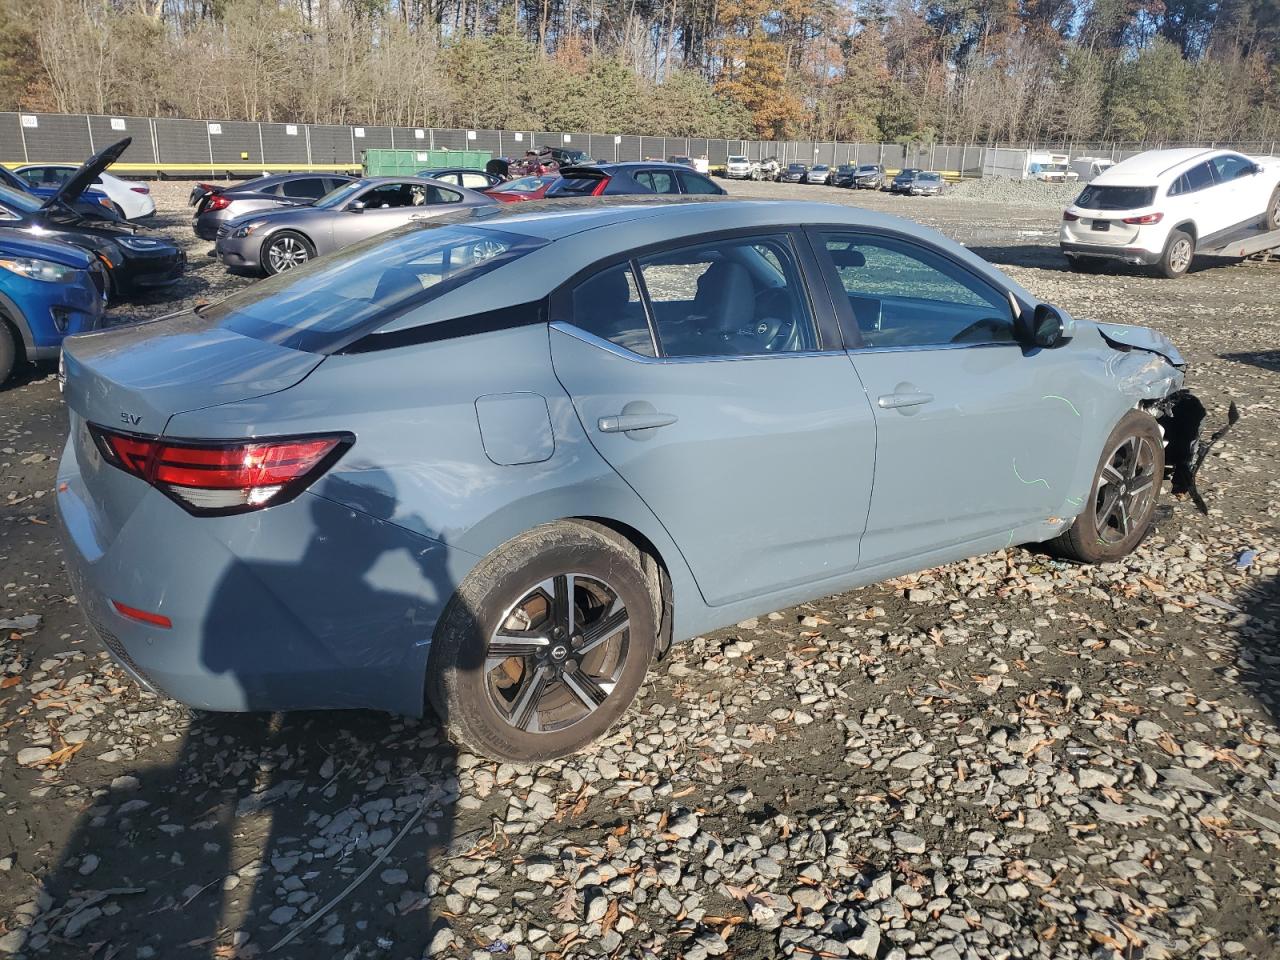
[
  {"x": 775, "y": 330},
  {"x": 988, "y": 329}
]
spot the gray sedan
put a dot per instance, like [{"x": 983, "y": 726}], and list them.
[
  {"x": 498, "y": 462},
  {"x": 280, "y": 240}
]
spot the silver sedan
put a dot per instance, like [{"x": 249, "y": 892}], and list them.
[{"x": 280, "y": 240}]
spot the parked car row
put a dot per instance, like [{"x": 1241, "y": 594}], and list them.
[
  {"x": 865, "y": 176},
  {"x": 66, "y": 247}
]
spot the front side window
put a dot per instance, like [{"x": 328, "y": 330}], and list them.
[
  {"x": 904, "y": 295},
  {"x": 693, "y": 183},
  {"x": 739, "y": 297},
  {"x": 1230, "y": 166},
  {"x": 609, "y": 305},
  {"x": 393, "y": 195}
]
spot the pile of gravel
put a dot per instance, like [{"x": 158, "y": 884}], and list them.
[{"x": 1020, "y": 192}]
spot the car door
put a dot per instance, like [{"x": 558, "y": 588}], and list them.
[
  {"x": 975, "y": 435},
  {"x": 385, "y": 207},
  {"x": 1190, "y": 196},
  {"x": 717, "y": 388},
  {"x": 1241, "y": 196}
]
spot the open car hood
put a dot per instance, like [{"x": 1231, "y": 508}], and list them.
[{"x": 89, "y": 171}]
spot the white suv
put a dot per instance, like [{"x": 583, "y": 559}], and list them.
[
  {"x": 1163, "y": 207},
  {"x": 740, "y": 168}
]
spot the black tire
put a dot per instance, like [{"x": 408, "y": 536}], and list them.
[
  {"x": 1271, "y": 218},
  {"x": 290, "y": 248},
  {"x": 531, "y": 706},
  {"x": 1107, "y": 529},
  {"x": 8, "y": 351},
  {"x": 1179, "y": 251}
]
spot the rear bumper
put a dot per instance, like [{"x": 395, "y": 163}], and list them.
[
  {"x": 307, "y": 605},
  {"x": 1136, "y": 255}
]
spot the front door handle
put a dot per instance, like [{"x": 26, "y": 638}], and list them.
[
  {"x": 896, "y": 401},
  {"x": 626, "y": 422}
]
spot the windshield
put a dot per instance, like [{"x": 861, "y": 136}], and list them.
[
  {"x": 331, "y": 301},
  {"x": 24, "y": 202},
  {"x": 928, "y": 176},
  {"x": 909, "y": 172},
  {"x": 339, "y": 195},
  {"x": 822, "y": 166},
  {"x": 1053, "y": 167},
  {"x": 737, "y": 159},
  {"x": 1096, "y": 197},
  {"x": 795, "y": 166},
  {"x": 868, "y": 168}
]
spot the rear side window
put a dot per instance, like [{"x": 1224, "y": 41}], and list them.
[
  {"x": 1095, "y": 197},
  {"x": 308, "y": 188},
  {"x": 609, "y": 306},
  {"x": 331, "y": 301},
  {"x": 659, "y": 181}
]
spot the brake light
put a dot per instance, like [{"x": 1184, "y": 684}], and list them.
[
  {"x": 216, "y": 201},
  {"x": 1144, "y": 219},
  {"x": 221, "y": 477},
  {"x": 599, "y": 190},
  {"x": 142, "y": 616},
  {"x": 1070, "y": 217},
  {"x": 142, "y": 190}
]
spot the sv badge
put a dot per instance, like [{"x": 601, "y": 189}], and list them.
[{"x": 129, "y": 418}]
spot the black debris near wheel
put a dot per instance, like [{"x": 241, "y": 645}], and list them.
[
  {"x": 1179, "y": 250},
  {"x": 284, "y": 251},
  {"x": 545, "y": 644},
  {"x": 1122, "y": 501},
  {"x": 8, "y": 351}
]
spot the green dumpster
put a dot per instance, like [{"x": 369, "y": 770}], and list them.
[{"x": 405, "y": 163}]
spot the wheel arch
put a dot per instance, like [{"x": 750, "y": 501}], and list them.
[
  {"x": 1188, "y": 227},
  {"x": 13, "y": 317}
]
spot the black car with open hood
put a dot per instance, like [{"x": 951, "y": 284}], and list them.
[{"x": 134, "y": 260}]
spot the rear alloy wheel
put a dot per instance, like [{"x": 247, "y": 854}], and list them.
[
  {"x": 1271, "y": 219},
  {"x": 285, "y": 251},
  {"x": 544, "y": 645},
  {"x": 1126, "y": 489},
  {"x": 1179, "y": 250}
]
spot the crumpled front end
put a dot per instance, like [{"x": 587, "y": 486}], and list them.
[{"x": 1148, "y": 368}]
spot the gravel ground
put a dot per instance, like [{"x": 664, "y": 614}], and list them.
[{"x": 1005, "y": 757}]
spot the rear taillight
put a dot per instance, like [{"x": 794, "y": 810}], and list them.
[
  {"x": 217, "y": 201},
  {"x": 221, "y": 477},
  {"x": 1145, "y": 219},
  {"x": 1070, "y": 217},
  {"x": 599, "y": 190},
  {"x": 142, "y": 190}
]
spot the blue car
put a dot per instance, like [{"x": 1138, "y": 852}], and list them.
[
  {"x": 48, "y": 291},
  {"x": 497, "y": 462},
  {"x": 91, "y": 202}
]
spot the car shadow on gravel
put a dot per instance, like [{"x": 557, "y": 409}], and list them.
[
  {"x": 1258, "y": 627},
  {"x": 297, "y": 834},
  {"x": 1268, "y": 360}
]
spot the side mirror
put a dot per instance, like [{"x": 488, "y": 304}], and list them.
[
  {"x": 356, "y": 206},
  {"x": 1050, "y": 327}
]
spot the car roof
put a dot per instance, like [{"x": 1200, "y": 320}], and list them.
[
  {"x": 580, "y": 232},
  {"x": 625, "y": 165},
  {"x": 1149, "y": 167}
]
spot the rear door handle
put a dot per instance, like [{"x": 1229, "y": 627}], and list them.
[
  {"x": 626, "y": 422},
  {"x": 896, "y": 401}
]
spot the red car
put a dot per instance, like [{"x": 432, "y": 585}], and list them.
[{"x": 526, "y": 188}]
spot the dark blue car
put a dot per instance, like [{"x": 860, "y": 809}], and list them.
[{"x": 48, "y": 291}]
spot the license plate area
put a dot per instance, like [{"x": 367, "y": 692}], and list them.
[{"x": 1102, "y": 225}]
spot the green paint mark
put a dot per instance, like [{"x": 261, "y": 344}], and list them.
[
  {"x": 1054, "y": 396},
  {"x": 1029, "y": 483},
  {"x": 1010, "y": 543},
  {"x": 1076, "y": 501}
]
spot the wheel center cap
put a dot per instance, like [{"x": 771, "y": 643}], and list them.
[{"x": 559, "y": 652}]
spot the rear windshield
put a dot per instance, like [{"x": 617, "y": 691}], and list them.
[
  {"x": 1095, "y": 197},
  {"x": 331, "y": 301},
  {"x": 20, "y": 201},
  {"x": 575, "y": 186}
]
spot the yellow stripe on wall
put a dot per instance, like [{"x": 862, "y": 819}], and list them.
[{"x": 205, "y": 167}]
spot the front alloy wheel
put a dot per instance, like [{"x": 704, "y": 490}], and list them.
[{"x": 286, "y": 251}]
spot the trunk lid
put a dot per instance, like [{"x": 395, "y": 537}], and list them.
[{"x": 135, "y": 378}]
